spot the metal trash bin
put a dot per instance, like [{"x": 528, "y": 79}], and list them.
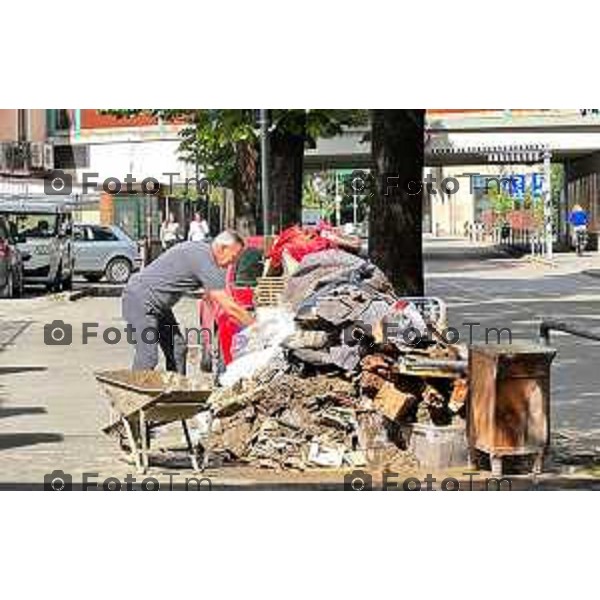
[
  {"x": 509, "y": 403},
  {"x": 436, "y": 447}
]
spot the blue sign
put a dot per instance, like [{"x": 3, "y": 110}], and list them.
[
  {"x": 537, "y": 185},
  {"x": 515, "y": 185}
]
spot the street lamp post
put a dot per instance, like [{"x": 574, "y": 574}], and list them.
[
  {"x": 338, "y": 201},
  {"x": 548, "y": 203}
]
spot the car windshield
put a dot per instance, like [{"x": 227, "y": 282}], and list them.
[{"x": 32, "y": 225}]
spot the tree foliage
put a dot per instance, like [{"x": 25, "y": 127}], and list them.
[
  {"x": 210, "y": 137},
  {"x": 223, "y": 143}
]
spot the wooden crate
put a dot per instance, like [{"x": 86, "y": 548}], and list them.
[
  {"x": 509, "y": 402},
  {"x": 269, "y": 290}
]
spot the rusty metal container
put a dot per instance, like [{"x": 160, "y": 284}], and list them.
[
  {"x": 509, "y": 406},
  {"x": 436, "y": 447}
]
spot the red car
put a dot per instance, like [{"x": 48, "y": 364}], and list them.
[{"x": 241, "y": 280}]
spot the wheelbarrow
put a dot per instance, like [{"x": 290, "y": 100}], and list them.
[{"x": 142, "y": 401}]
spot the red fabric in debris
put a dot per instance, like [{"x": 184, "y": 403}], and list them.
[{"x": 298, "y": 242}]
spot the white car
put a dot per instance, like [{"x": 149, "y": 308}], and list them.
[
  {"x": 104, "y": 250},
  {"x": 42, "y": 230}
]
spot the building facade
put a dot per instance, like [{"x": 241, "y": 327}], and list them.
[{"x": 92, "y": 148}]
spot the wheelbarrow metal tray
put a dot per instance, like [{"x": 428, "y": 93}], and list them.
[{"x": 164, "y": 397}]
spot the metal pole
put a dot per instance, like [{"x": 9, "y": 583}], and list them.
[
  {"x": 354, "y": 209},
  {"x": 198, "y": 202},
  {"x": 548, "y": 203},
  {"x": 264, "y": 168},
  {"x": 337, "y": 200}
]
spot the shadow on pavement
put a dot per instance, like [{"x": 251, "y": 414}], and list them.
[
  {"x": 13, "y": 370},
  {"x": 17, "y": 440},
  {"x": 17, "y": 411}
]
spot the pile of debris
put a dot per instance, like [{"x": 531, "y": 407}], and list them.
[{"x": 339, "y": 389}]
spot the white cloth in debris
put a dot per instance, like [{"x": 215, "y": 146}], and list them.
[
  {"x": 247, "y": 365},
  {"x": 255, "y": 346},
  {"x": 273, "y": 325}
]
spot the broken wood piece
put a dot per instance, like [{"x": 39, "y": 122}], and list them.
[
  {"x": 460, "y": 391},
  {"x": 394, "y": 404},
  {"x": 371, "y": 384}
]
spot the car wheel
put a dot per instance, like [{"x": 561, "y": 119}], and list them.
[
  {"x": 93, "y": 277},
  {"x": 118, "y": 270},
  {"x": 8, "y": 290}
]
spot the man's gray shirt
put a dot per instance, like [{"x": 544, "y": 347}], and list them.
[{"x": 185, "y": 267}]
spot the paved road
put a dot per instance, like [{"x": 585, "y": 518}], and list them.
[
  {"x": 51, "y": 411},
  {"x": 486, "y": 287}
]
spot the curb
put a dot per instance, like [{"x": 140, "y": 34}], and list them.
[
  {"x": 96, "y": 292},
  {"x": 79, "y": 294},
  {"x": 542, "y": 261}
]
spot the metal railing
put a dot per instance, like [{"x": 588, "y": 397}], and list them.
[{"x": 548, "y": 325}]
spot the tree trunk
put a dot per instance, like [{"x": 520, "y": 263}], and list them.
[
  {"x": 395, "y": 222},
  {"x": 287, "y": 166},
  {"x": 245, "y": 188}
]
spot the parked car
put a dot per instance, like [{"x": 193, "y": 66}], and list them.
[
  {"x": 104, "y": 250},
  {"x": 11, "y": 263},
  {"x": 42, "y": 230}
]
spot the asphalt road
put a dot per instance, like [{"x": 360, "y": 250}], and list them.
[{"x": 499, "y": 292}]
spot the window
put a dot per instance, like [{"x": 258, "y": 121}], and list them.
[
  {"x": 30, "y": 225},
  {"x": 103, "y": 234},
  {"x": 71, "y": 157},
  {"x": 4, "y": 231},
  {"x": 58, "y": 120},
  {"x": 79, "y": 234}
]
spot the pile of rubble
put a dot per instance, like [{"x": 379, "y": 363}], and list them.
[{"x": 339, "y": 389}]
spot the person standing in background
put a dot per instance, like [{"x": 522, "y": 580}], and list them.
[
  {"x": 169, "y": 232},
  {"x": 198, "y": 231}
]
